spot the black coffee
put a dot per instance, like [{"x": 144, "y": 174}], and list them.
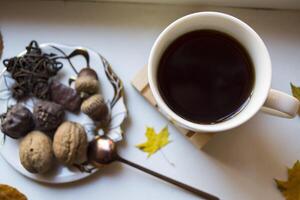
[{"x": 205, "y": 76}]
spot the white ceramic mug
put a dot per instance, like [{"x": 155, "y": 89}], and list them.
[{"x": 272, "y": 101}]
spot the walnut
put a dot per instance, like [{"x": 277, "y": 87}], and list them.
[
  {"x": 70, "y": 143},
  {"x": 36, "y": 153}
]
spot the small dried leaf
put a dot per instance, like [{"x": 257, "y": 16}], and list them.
[
  {"x": 154, "y": 141},
  {"x": 10, "y": 193},
  {"x": 295, "y": 91},
  {"x": 291, "y": 188}
]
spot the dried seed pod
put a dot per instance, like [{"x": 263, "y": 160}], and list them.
[
  {"x": 17, "y": 122},
  {"x": 87, "y": 81},
  {"x": 48, "y": 115},
  {"x": 70, "y": 143},
  {"x": 65, "y": 96},
  {"x": 95, "y": 107},
  {"x": 36, "y": 153}
]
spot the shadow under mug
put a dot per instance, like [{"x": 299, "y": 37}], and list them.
[{"x": 271, "y": 101}]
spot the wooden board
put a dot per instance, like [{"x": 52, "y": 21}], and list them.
[{"x": 140, "y": 82}]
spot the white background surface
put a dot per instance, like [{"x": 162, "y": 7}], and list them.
[
  {"x": 235, "y": 165},
  {"x": 282, "y": 4}
]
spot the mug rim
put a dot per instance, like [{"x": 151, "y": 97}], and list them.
[{"x": 170, "y": 114}]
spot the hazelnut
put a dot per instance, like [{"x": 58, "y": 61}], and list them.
[
  {"x": 70, "y": 143},
  {"x": 95, "y": 107},
  {"x": 35, "y": 152},
  {"x": 87, "y": 81}
]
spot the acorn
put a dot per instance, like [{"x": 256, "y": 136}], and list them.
[
  {"x": 95, "y": 107},
  {"x": 87, "y": 82}
]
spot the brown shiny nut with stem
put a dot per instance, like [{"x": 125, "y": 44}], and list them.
[
  {"x": 87, "y": 82},
  {"x": 70, "y": 143},
  {"x": 101, "y": 151},
  {"x": 95, "y": 107}
]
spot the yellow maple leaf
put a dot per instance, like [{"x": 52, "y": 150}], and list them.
[
  {"x": 154, "y": 141},
  {"x": 291, "y": 188}
]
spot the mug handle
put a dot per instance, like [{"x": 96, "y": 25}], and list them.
[{"x": 281, "y": 104}]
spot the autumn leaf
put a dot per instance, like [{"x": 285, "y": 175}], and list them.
[
  {"x": 154, "y": 141},
  {"x": 10, "y": 193},
  {"x": 291, "y": 188},
  {"x": 295, "y": 91}
]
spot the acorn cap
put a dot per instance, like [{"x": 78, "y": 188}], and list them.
[
  {"x": 95, "y": 107},
  {"x": 88, "y": 72}
]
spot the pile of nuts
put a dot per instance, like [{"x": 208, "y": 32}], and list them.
[{"x": 45, "y": 135}]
